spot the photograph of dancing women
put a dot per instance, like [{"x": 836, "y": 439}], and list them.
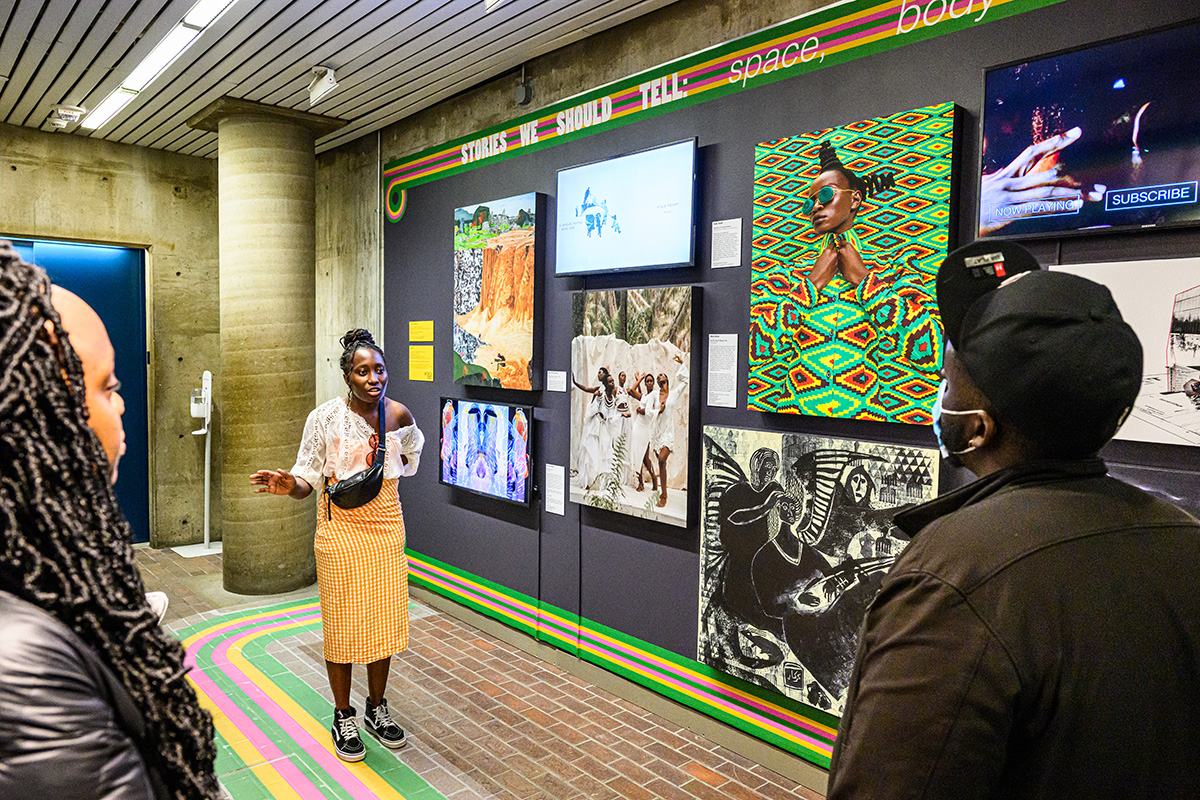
[{"x": 629, "y": 438}]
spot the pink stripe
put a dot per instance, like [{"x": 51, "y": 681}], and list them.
[
  {"x": 329, "y": 762},
  {"x": 296, "y": 779},
  {"x": 531, "y": 622},
  {"x": 253, "y": 733},
  {"x": 194, "y": 647},
  {"x": 713, "y": 685},
  {"x": 780, "y": 714},
  {"x": 888, "y": 13},
  {"x": 766, "y": 723}
]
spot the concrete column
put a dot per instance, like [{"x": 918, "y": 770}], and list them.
[{"x": 266, "y": 178}]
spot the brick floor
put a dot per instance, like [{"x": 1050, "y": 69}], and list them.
[{"x": 486, "y": 720}]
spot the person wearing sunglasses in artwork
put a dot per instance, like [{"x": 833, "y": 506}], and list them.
[{"x": 850, "y": 284}]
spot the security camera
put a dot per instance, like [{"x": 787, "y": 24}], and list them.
[{"x": 323, "y": 82}]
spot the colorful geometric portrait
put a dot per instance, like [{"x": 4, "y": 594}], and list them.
[
  {"x": 850, "y": 227},
  {"x": 495, "y": 263},
  {"x": 795, "y": 542}
]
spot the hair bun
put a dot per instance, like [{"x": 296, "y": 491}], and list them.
[
  {"x": 356, "y": 337},
  {"x": 828, "y": 158}
]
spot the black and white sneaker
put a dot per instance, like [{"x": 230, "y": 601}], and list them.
[
  {"x": 346, "y": 742},
  {"x": 384, "y": 728}
]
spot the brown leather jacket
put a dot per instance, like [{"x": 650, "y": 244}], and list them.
[
  {"x": 1039, "y": 638},
  {"x": 68, "y": 727}
]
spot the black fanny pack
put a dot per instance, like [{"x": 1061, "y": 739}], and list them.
[{"x": 361, "y": 487}]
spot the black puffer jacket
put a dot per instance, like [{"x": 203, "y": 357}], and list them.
[{"x": 68, "y": 727}]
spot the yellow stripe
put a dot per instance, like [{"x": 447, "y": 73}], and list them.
[
  {"x": 314, "y": 604},
  {"x": 708, "y": 701},
  {"x": 370, "y": 778},
  {"x": 247, "y": 752},
  {"x": 641, "y": 653}
]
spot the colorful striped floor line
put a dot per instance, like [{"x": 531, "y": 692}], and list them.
[{"x": 273, "y": 728}]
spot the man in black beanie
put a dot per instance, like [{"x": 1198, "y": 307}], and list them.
[{"x": 1040, "y": 636}]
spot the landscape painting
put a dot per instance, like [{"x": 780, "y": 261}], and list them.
[{"x": 496, "y": 260}]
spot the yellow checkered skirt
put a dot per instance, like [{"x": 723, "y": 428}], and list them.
[{"x": 362, "y": 579}]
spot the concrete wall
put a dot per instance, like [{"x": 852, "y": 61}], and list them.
[
  {"x": 677, "y": 30},
  {"x": 70, "y": 187},
  {"x": 349, "y": 279}
]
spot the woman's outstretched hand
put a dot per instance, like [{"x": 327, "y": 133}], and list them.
[{"x": 279, "y": 481}]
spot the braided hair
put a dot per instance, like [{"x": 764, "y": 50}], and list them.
[
  {"x": 874, "y": 183},
  {"x": 64, "y": 545},
  {"x": 355, "y": 340}
]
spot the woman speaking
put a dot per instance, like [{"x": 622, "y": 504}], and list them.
[{"x": 362, "y": 571}]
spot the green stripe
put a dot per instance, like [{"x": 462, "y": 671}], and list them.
[
  {"x": 473, "y": 601},
  {"x": 242, "y": 784},
  {"x": 655, "y": 682}
]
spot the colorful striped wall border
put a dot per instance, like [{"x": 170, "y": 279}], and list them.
[
  {"x": 832, "y": 35},
  {"x": 771, "y": 717}
]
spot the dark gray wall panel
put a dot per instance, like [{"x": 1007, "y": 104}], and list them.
[
  {"x": 645, "y": 586},
  {"x": 637, "y": 576}
]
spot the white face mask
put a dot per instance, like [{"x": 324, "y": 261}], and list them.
[{"x": 938, "y": 411}]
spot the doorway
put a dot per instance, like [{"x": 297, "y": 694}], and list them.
[{"x": 112, "y": 280}]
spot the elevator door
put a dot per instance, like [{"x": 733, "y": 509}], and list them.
[{"x": 112, "y": 281}]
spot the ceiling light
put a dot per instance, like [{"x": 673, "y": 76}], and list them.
[
  {"x": 169, "y": 49},
  {"x": 206, "y": 12},
  {"x": 490, "y": 5},
  {"x": 172, "y": 46},
  {"x": 107, "y": 109}
]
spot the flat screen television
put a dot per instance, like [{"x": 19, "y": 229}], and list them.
[
  {"x": 631, "y": 212},
  {"x": 1101, "y": 138},
  {"x": 485, "y": 448}
]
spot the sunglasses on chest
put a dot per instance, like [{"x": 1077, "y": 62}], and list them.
[{"x": 824, "y": 196}]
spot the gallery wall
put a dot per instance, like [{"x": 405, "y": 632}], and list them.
[{"x": 637, "y": 576}]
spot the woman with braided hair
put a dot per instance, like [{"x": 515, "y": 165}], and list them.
[
  {"x": 362, "y": 571},
  {"x": 858, "y": 301},
  {"x": 93, "y": 698}
]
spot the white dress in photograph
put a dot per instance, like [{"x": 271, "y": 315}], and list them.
[{"x": 663, "y": 433}]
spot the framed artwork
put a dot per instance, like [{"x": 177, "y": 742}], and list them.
[
  {"x": 850, "y": 227},
  {"x": 796, "y": 538},
  {"x": 485, "y": 448},
  {"x": 497, "y": 257},
  {"x": 1161, "y": 301},
  {"x": 630, "y": 406}
]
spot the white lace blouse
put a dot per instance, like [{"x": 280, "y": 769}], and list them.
[{"x": 338, "y": 443}]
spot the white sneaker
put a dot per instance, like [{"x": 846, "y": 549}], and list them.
[{"x": 158, "y": 603}]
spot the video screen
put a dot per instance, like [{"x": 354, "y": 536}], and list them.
[
  {"x": 631, "y": 212},
  {"x": 1102, "y": 138},
  {"x": 485, "y": 448}
]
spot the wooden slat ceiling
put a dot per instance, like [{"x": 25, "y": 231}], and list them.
[{"x": 392, "y": 57}]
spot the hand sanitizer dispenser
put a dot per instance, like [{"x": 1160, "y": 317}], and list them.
[
  {"x": 202, "y": 402},
  {"x": 201, "y": 408}
]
